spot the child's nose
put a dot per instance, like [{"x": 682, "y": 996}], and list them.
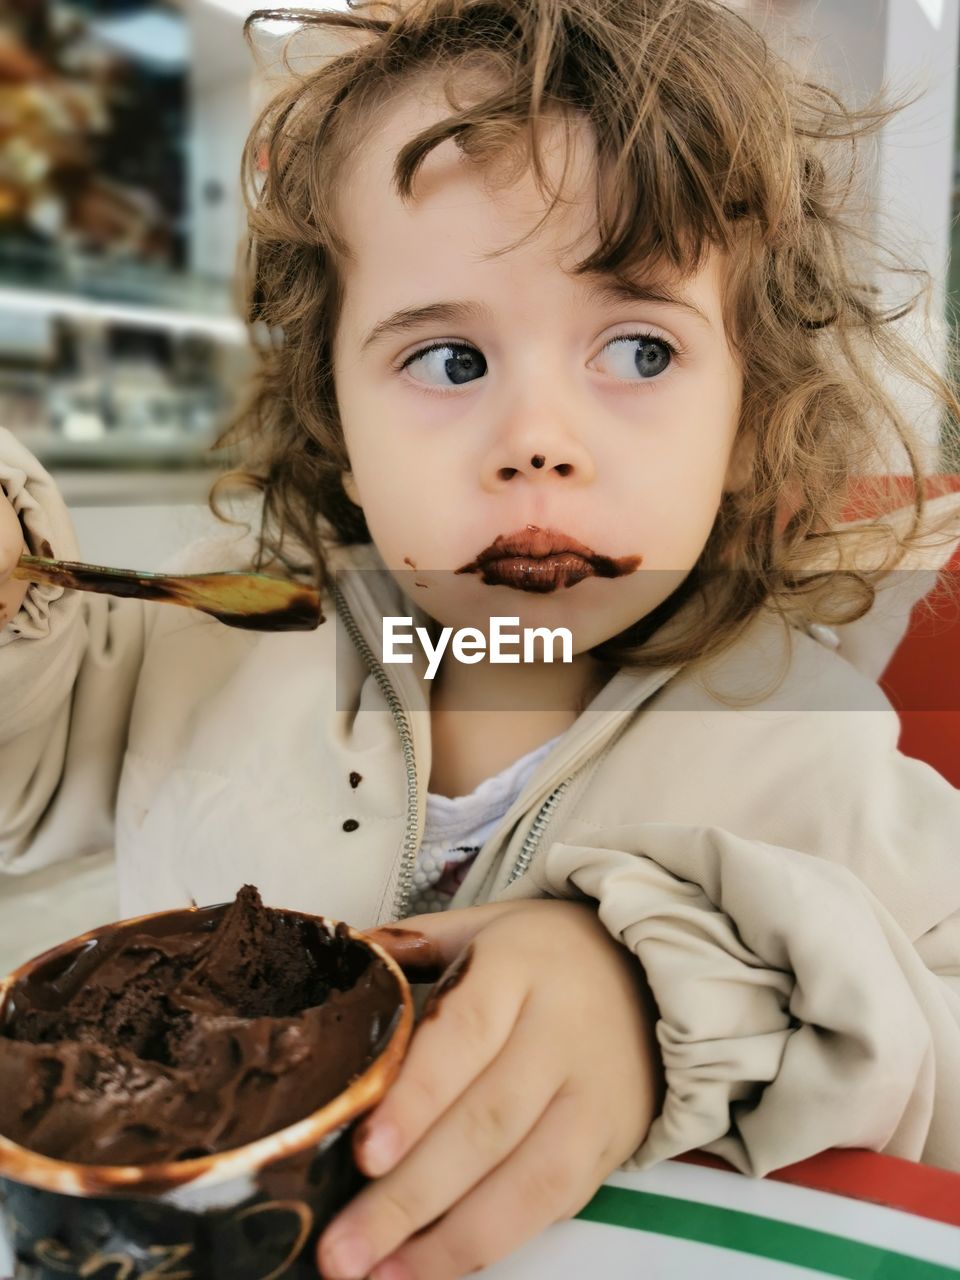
[{"x": 568, "y": 461}]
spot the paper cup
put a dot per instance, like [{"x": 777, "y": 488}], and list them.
[{"x": 251, "y": 1213}]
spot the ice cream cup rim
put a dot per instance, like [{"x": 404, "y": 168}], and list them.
[{"x": 20, "y": 1164}]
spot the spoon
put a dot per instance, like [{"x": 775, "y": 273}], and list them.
[{"x": 254, "y": 601}]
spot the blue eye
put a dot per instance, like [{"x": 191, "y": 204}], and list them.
[
  {"x": 452, "y": 364},
  {"x": 460, "y": 363},
  {"x": 650, "y": 358}
]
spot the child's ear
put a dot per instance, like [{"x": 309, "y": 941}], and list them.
[
  {"x": 350, "y": 488},
  {"x": 740, "y": 466}
]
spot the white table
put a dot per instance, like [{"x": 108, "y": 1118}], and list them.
[{"x": 683, "y": 1221}]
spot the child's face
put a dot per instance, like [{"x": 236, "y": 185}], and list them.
[{"x": 539, "y": 407}]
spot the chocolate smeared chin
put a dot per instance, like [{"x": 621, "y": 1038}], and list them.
[{"x": 542, "y": 574}]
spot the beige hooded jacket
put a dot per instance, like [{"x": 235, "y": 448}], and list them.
[{"x": 789, "y": 881}]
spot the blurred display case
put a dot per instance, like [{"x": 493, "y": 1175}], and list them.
[{"x": 121, "y": 127}]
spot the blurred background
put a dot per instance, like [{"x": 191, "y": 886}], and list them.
[{"x": 121, "y": 127}]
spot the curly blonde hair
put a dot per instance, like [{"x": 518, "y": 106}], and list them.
[{"x": 705, "y": 138}]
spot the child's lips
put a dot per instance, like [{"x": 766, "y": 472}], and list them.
[
  {"x": 542, "y": 560},
  {"x": 540, "y": 574}
]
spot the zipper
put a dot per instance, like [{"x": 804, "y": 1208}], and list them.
[
  {"x": 408, "y": 851},
  {"x": 535, "y": 834},
  {"x": 549, "y": 807}
]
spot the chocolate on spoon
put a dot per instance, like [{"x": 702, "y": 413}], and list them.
[{"x": 254, "y": 601}]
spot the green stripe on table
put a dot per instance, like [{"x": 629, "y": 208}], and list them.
[{"x": 766, "y": 1237}]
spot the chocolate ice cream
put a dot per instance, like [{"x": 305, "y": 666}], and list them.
[{"x": 188, "y": 1035}]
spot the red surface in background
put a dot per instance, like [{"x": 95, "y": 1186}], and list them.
[
  {"x": 922, "y": 680},
  {"x": 914, "y": 1188}
]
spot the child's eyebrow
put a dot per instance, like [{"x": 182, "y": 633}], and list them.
[{"x": 607, "y": 289}]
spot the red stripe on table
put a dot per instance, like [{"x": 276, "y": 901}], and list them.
[{"x": 920, "y": 1189}]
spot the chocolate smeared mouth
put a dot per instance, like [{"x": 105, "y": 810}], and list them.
[{"x": 543, "y": 560}]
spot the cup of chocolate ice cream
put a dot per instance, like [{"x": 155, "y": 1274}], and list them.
[{"x": 177, "y": 1092}]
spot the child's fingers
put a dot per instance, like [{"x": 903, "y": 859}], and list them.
[
  {"x": 11, "y": 539},
  {"x": 11, "y": 548},
  {"x": 475, "y": 1135},
  {"x": 424, "y": 945},
  {"x": 11, "y": 598},
  {"x": 549, "y": 1177},
  {"x": 470, "y": 1017}
]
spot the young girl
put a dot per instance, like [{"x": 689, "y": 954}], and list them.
[{"x": 566, "y": 325}]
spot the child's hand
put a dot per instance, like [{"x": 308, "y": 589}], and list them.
[
  {"x": 533, "y": 1075},
  {"x": 11, "y": 548}
]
